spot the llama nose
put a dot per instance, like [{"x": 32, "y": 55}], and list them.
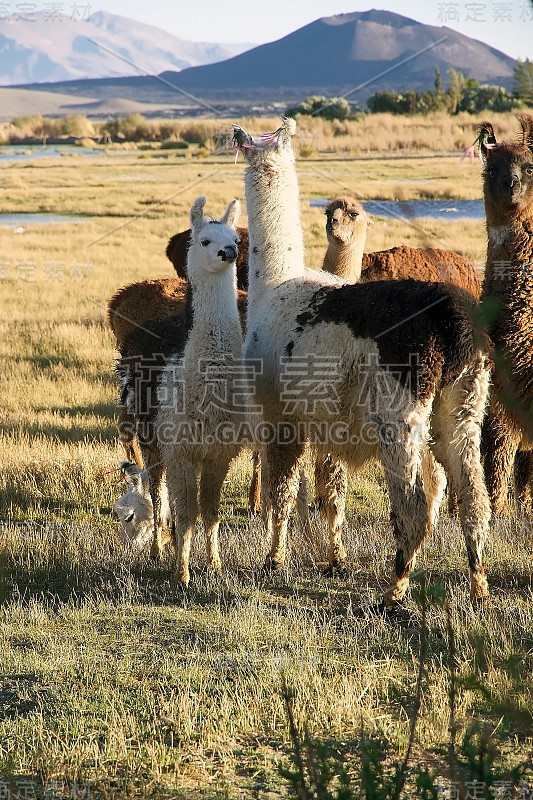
[
  {"x": 512, "y": 179},
  {"x": 229, "y": 253}
]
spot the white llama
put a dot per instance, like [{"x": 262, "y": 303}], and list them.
[
  {"x": 201, "y": 396},
  {"x": 134, "y": 509},
  {"x": 389, "y": 369}
]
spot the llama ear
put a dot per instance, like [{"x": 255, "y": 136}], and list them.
[
  {"x": 526, "y": 122},
  {"x": 486, "y": 139},
  {"x": 132, "y": 474},
  {"x": 197, "y": 214},
  {"x": 233, "y": 212}
]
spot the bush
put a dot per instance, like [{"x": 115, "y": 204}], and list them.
[
  {"x": 77, "y": 125},
  {"x": 174, "y": 144},
  {"x": 333, "y": 108},
  {"x": 487, "y": 98},
  {"x": 197, "y": 133},
  {"x": 131, "y": 128}
]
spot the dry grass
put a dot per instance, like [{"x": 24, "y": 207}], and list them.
[{"x": 110, "y": 678}]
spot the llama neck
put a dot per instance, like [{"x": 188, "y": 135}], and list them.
[
  {"x": 214, "y": 306},
  {"x": 344, "y": 260},
  {"x": 276, "y": 252},
  {"x": 509, "y": 254}
]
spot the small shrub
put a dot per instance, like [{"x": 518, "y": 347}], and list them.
[{"x": 174, "y": 144}]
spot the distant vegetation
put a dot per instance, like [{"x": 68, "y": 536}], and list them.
[
  {"x": 463, "y": 94},
  {"x": 327, "y": 108},
  {"x": 130, "y": 128},
  {"x": 193, "y": 138}
]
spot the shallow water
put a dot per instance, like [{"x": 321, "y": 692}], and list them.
[
  {"x": 411, "y": 209},
  {"x": 25, "y": 153},
  {"x": 21, "y": 220}
]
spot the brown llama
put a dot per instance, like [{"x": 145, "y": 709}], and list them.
[
  {"x": 346, "y": 227},
  {"x": 508, "y": 304}
]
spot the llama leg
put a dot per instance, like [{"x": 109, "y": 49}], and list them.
[
  {"x": 434, "y": 484},
  {"x": 401, "y": 443},
  {"x": 212, "y": 478},
  {"x": 254, "y": 496},
  {"x": 500, "y": 443},
  {"x": 127, "y": 437},
  {"x": 183, "y": 496},
  {"x": 331, "y": 486},
  {"x": 283, "y": 473},
  {"x": 302, "y": 505},
  {"x": 156, "y": 475},
  {"x": 523, "y": 471},
  {"x": 266, "y": 508},
  {"x": 458, "y": 441}
]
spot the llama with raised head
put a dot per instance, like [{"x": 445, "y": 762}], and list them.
[
  {"x": 508, "y": 299},
  {"x": 407, "y": 340},
  {"x": 202, "y": 395}
]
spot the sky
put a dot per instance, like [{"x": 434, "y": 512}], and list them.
[{"x": 504, "y": 24}]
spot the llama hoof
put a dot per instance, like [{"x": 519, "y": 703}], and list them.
[
  {"x": 385, "y": 611},
  {"x": 271, "y": 566},
  {"x": 181, "y": 581},
  {"x": 479, "y": 603},
  {"x": 214, "y": 572},
  {"x": 337, "y": 569}
]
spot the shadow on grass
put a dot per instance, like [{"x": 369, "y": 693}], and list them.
[{"x": 25, "y": 785}]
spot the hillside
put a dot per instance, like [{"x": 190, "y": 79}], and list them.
[
  {"x": 348, "y": 54},
  {"x": 344, "y": 51},
  {"x": 55, "y": 47}
]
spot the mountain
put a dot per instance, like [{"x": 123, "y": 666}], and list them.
[
  {"x": 346, "y": 50},
  {"x": 353, "y": 55},
  {"x": 54, "y": 47}
]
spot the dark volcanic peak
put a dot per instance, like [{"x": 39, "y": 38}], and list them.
[
  {"x": 383, "y": 17},
  {"x": 340, "y": 52}
]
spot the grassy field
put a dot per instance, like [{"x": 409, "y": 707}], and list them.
[{"x": 112, "y": 683}]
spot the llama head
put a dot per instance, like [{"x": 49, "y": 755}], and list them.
[
  {"x": 508, "y": 169},
  {"x": 134, "y": 509},
  {"x": 213, "y": 247},
  {"x": 346, "y": 222},
  {"x": 267, "y": 146}
]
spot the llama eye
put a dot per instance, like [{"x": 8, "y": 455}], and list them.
[
  {"x": 492, "y": 173},
  {"x": 353, "y": 214},
  {"x": 129, "y": 518},
  {"x": 205, "y": 242},
  {"x": 529, "y": 170}
]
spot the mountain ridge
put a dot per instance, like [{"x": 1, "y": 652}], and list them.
[
  {"x": 44, "y": 49},
  {"x": 352, "y": 55}
]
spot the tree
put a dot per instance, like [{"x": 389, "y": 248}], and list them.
[
  {"x": 523, "y": 81},
  {"x": 438, "y": 100},
  {"x": 459, "y": 84}
]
